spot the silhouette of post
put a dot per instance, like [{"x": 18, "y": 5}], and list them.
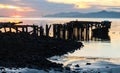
[
  {"x": 5, "y": 29},
  {"x": 26, "y": 29},
  {"x": 64, "y": 31},
  {"x": 10, "y": 30},
  {"x": 55, "y": 30},
  {"x": 70, "y": 32},
  {"x": 47, "y": 29},
  {"x": 58, "y": 31},
  {"x": 78, "y": 33},
  {"x": 16, "y": 28},
  {"x": 87, "y": 32},
  {"x": 41, "y": 31},
  {"x": 34, "y": 30},
  {"x": 23, "y": 30},
  {"x": 82, "y": 31}
]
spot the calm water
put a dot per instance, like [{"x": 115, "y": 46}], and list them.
[{"x": 107, "y": 49}]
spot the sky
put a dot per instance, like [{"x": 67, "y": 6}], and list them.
[{"x": 38, "y": 8}]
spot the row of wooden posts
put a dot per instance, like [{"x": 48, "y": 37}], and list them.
[
  {"x": 73, "y": 30},
  {"x": 78, "y": 30}
]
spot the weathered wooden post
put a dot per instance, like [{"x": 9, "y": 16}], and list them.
[
  {"x": 91, "y": 28},
  {"x": 5, "y": 29},
  {"x": 34, "y": 30},
  {"x": 78, "y": 33},
  {"x": 70, "y": 32},
  {"x": 37, "y": 30},
  {"x": 64, "y": 31},
  {"x": 58, "y": 31},
  {"x": 61, "y": 33},
  {"x": 87, "y": 32},
  {"x": 47, "y": 29},
  {"x": 10, "y": 30},
  {"x": 23, "y": 29},
  {"x": 26, "y": 29},
  {"x": 73, "y": 35},
  {"x": 55, "y": 30},
  {"x": 16, "y": 28},
  {"x": 82, "y": 31},
  {"x": 41, "y": 31}
]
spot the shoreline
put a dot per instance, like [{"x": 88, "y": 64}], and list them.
[
  {"x": 90, "y": 64},
  {"x": 87, "y": 65},
  {"x": 78, "y": 58},
  {"x": 25, "y": 50}
]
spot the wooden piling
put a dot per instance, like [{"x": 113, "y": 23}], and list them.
[
  {"x": 23, "y": 30},
  {"x": 54, "y": 30},
  {"x": 26, "y": 29},
  {"x": 16, "y": 28},
  {"x": 73, "y": 30},
  {"x": 78, "y": 33},
  {"x": 64, "y": 32},
  {"x": 41, "y": 29},
  {"x": 87, "y": 32},
  {"x": 10, "y": 30},
  {"x": 58, "y": 31},
  {"x": 47, "y": 29}
]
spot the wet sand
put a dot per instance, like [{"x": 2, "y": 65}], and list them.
[{"x": 86, "y": 64}]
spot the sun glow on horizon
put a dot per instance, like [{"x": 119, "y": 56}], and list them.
[{"x": 16, "y": 16}]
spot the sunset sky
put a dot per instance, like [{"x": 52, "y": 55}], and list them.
[{"x": 38, "y": 8}]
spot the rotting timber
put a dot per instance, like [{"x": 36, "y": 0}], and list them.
[
  {"x": 82, "y": 30},
  {"x": 21, "y": 47}
]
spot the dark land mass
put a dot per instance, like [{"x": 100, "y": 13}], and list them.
[
  {"x": 101, "y": 14},
  {"x": 3, "y": 16},
  {"x": 21, "y": 50}
]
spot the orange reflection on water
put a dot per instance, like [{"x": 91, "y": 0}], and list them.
[{"x": 10, "y": 20}]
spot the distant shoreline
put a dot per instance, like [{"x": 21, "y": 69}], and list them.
[
  {"x": 100, "y": 14},
  {"x": 63, "y": 17}
]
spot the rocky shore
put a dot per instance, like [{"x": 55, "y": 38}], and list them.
[{"x": 21, "y": 50}]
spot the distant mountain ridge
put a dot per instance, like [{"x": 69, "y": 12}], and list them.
[
  {"x": 100, "y": 14},
  {"x": 2, "y": 16}
]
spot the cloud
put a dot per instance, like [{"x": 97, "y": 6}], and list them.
[
  {"x": 16, "y": 0},
  {"x": 44, "y": 7},
  {"x": 76, "y": 3},
  {"x": 17, "y": 8},
  {"x": 117, "y": 9},
  {"x": 83, "y": 4}
]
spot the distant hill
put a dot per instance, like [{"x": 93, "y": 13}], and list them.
[
  {"x": 101, "y": 14},
  {"x": 2, "y": 16}
]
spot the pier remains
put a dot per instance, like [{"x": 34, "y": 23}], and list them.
[
  {"x": 31, "y": 45},
  {"x": 82, "y": 30},
  {"x": 73, "y": 30}
]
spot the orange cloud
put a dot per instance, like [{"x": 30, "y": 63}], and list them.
[
  {"x": 89, "y": 3},
  {"x": 81, "y": 5},
  {"x": 17, "y": 8}
]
